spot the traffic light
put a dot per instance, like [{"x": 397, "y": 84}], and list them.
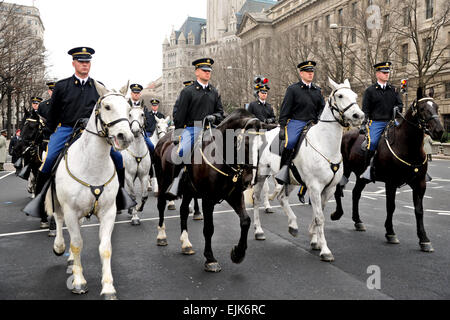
[{"x": 404, "y": 86}]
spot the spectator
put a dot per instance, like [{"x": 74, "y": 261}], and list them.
[
  {"x": 427, "y": 146},
  {"x": 2, "y": 149}
]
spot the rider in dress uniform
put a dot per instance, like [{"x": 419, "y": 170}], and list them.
[
  {"x": 175, "y": 107},
  {"x": 302, "y": 103},
  {"x": 150, "y": 123},
  {"x": 260, "y": 108},
  {"x": 381, "y": 102},
  {"x": 44, "y": 106},
  {"x": 197, "y": 102},
  {"x": 73, "y": 98}
]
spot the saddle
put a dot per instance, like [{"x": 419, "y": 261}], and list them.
[{"x": 279, "y": 151}]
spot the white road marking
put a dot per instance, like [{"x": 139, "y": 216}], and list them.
[
  {"x": 437, "y": 187},
  {"x": 438, "y": 212},
  {"x": 128, "y": 221},
  {"x": 6, "y": 175},
  {"x": 369, "y": 198}
]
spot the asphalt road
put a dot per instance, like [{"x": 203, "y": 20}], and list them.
[{"x": 280, "y": 268}]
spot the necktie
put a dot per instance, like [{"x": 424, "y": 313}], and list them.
[
  {"x": 136, "y": 103},
  {"x": 82, "y": 82}
]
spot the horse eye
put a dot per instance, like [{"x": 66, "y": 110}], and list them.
[
  {"x": 107, "y": 107},
  {"x": 340, "y": 96}
]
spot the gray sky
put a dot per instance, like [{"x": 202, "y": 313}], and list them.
[{"x": 126, "y": 35}]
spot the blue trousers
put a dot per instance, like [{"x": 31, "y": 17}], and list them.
[
  {"x": 294, "y": 129},
  {"x": 149, "y": 142},
  {"x": 188, "y": 137},
  {"x": 375, "y": 130},
  {"x": 56, "y": 144}
]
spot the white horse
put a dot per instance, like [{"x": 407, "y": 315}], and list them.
[
  {"x": 86, "y": 182},
  {"x": 319, "y": 162},
  {"x": 137, "y": 162}
]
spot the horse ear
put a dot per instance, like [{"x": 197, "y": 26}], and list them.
[
  {"x": 419, "y": 93},
  {"x": 347, "y": 83},
  {"x": 101, "y": 89},
  {"x": 333, "y": 84},
  {"x": 124, "y": 89}
]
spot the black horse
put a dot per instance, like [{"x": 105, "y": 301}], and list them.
[
  {"x": 399, "y": 160},
  {"x": 212, "y": 181},
  {"x": 31, "y": 146}
]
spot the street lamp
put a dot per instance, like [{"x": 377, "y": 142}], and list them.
[{"x": 334, "y": 26}]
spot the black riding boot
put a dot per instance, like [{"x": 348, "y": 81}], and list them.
[
  {"x": 36, "y": 207},
  {"x": 123, "y": 199},
  {"x": 282, "y": 176},
  {"x": 173, "y": 189},
  {"x": 368, "y": 174}
]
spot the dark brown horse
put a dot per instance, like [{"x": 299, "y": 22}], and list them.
[
  {"x": 399, "y": 160},
  {"x": 212, "y": 181}
]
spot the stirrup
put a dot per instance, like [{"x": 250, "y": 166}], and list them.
[
  {"x": 282, "y": 176},
  {"x": 36, "y": 207}
]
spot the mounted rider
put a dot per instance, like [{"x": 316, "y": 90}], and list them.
[
  {"x": 303, "y": 102},
  {"x": 260, "y": 108},
  {"x": 73, "y": 99},
  {"x": 150, "y": 116},
  {"x": 44, "y": 106},
  {"x": 381, "y": 103},
  {"x": 197, "y": 102}
]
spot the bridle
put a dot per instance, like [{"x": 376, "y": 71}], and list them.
[
  {"x": 421, "y": 123},
  {"x": 104, "y": 132},
  {"x": 333, "y": 106}
]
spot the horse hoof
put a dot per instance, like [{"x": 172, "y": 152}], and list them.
[
  {"x": 212, "y": 267},
  {"x": 80, "y": 289},
  {"x": 188, "y": 251},
  {"x": 260, "y": 236},
  {"x": 44, "y": 225},
  {"x": 135, "y": 222},
  {"x": 360, "y": 227},
  {"x": 161, "y": 242},
  {"x": 315, "y": 246},
  {"x": 269, "y": 210},
  {"x": 109, "y": 296},
  {"x": 197, "y": 216},
  {"x": 327, "y": 257},
  {"x": 335, "y": 216},
  {"x": 235, "y": 257},
  {"x": 130, "y": 211},
  {"x": 57, "y": 253},
  {"x": 426, "y": 247},
  {"x": 392, "y": 239},
  {"x": 52, "y": 233},
  {"x": 293, "y": 232},
  {"x": 171, "y": 207}
]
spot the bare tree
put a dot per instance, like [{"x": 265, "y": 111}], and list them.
[{"x": 21, "y": 62}]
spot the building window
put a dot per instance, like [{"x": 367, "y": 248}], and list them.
[
  {"x": 316, "y": 26},
  {"x": 327, "y": 21},
  {"x": 447, "y": 90},
  {"x": 340, "y": 16},
  {"x": 429, "y": 8},
  {"x": 406, "y": 16},
  {"x": 427, "y": 48},
  {"x": 353, "y": 35},
  {"x": 386, "y": 23},
  {"x": 404, "y": 54},
  {"x": 354, "y": 9}
]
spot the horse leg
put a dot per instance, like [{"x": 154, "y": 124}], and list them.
[
  {"x": 161, "y": 238},
  {"x": 390, "y": 208},
  {"x": 292, "y": 218},
  {"x": 418, "y": 193},
  {"x": 197, "y": 213},
  {"x": 79, "y": 284},
  {"x": 238, "y": 204},
  {"x": 316, "y": 228},
  {"x": 105, "y": 250},
  {"x": 211, "y": 264},
  {"x": 186, "y": 245},
  {"x": 336, "y": 215},
  {"x": 259, "y": 232},
  {"x": 129, "y": 181},
  {"x": 356, "y": 195},
  {"x": 265, "y": 190}
]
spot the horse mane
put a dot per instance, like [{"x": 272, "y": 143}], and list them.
[{"x": 235, "y": 117}]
